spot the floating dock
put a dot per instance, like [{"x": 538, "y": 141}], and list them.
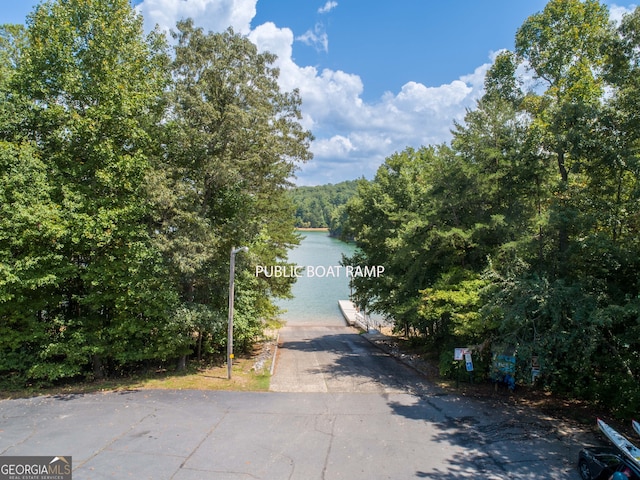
[{"x": 351, "y": 314}]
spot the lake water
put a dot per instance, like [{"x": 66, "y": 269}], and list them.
[{"x": 316, "y": 297}]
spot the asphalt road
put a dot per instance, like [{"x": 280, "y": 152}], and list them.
[{"x": 339, "y": 409}]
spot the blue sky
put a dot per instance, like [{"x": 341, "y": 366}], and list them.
[
  {"x": 375, "y": 77},
  {"x": 391, "y": 43}
]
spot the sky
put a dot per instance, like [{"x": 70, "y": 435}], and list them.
[{"x": 375, "y": 77}]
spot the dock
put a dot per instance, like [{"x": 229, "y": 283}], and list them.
[{"x": 352, "y": 316}]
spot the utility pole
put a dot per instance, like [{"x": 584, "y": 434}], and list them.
[{"x": 232, "y": 271}]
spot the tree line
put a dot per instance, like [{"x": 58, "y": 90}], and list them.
[
  {"x": 128, "y": 171},
  {"x": 522, "y": 235},
  {"x": 322, "y": 206}
]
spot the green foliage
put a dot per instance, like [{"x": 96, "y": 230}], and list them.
[
  {"x": 31, "y": 261},
  {"x": 323, "y": 206},
  {"x": 450, "y": 307},
  {"x": 386, "y": 218},
  {"x": 220, "y": 179},
  {"x": 125, "y": 179},
  {"x": 127, "y": 176},
  {"x": 522, "y": 235}
]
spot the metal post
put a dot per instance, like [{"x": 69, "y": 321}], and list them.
[{"x": 232, "y": 268}]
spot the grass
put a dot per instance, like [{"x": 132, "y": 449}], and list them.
[
  {"x": 196, "y": 377},
  {"x": 243, "y": 378}
]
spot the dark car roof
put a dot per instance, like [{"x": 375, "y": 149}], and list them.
[{"x": 597, "y": 451}]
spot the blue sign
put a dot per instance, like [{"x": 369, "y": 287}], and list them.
[{"x": 468, "y": 362}]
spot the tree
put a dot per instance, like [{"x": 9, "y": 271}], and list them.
[
  {"x": 31, "y": 226},
  {"x": 572, "y": 303},
  {"x": 523, "y": 233},
  {"x": 231, "y": 143},
  {"x": 562, "y": 45},
  {"x": 321, "y": 206},
  {"x": 86, "y": 87},
  {"x": 127, "y": 179},
  {"x": 390, "y": 219}
]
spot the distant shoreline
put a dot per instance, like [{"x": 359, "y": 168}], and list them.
[{"x": 309, "y": 229}]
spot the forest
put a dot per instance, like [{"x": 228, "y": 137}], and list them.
[
  {"x": 521, "y": 237},
  {"x": 322, "y": 206},
  {"x": 129, "y": 170},
  {"x": 132, "y": 164}
]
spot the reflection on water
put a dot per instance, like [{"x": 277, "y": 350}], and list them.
[{"x": 316, "y": 297}]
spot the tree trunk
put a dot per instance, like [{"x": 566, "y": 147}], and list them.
[
  {"x": 182, "y": 363},
  {"x": 563, "y": 234},
  {"x": 98, "y": 371}
]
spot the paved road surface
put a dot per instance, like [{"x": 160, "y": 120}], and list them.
[
  {"x": 340, "y": 409},
  {"x": 454, "y": 438},
  {"x": 335, "y": 359}
]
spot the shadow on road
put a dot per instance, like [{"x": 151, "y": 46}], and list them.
[
  {"x": 498, "y": 440},
  {"x": 503, "y": 443}
]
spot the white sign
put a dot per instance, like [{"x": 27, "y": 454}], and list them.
[{"x": 458, "y": 353}]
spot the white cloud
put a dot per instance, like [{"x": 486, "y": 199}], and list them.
[
  {"x": 330, "y": 5},
  {"x": 337, "y": 146},
  {"x": 317, "y": 38},
  {"x": 353, "y": 137},
  {"x": 279, "y": 41},
  {"x": 616, "y": 12},
  {"x": 211, "y": 15}
]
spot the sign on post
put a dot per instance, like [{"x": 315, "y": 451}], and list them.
[
  {"x": 460, "y": 354},
  {"x": 468, "y": 362}
]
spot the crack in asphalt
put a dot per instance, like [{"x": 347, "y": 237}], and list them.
[
  {"x": 197, "y": 447},
  {"x": 329, "y": 447}
]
